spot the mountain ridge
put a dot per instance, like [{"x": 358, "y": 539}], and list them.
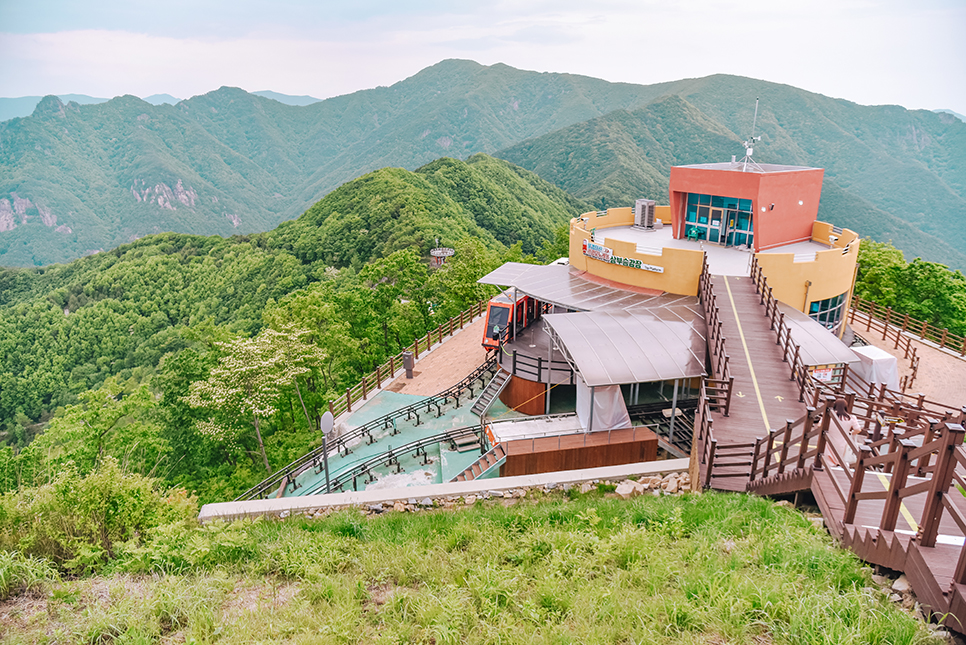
[{"x": 74, "y": 179}]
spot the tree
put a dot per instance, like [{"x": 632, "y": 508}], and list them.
[{"x": 249, "y": 381}]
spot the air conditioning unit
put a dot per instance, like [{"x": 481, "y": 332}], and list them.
[{"x": 644, "y": 214}]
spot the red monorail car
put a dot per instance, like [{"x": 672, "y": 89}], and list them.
[{"x": 500, "y": 315}]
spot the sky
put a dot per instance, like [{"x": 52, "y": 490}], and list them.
[{"x": 906, "y": 52}]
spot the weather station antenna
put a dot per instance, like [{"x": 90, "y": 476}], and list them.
[{"x": 750, "y": 146}]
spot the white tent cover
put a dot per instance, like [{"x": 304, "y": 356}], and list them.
[
  {"x": 610, "y": 413},
  {"x": 876, "y": 366}
]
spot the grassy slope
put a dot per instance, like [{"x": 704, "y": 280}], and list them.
[{"x": 694, "y": 569}]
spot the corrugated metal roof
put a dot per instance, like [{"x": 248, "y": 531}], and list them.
[
  {"x": 640, "y": 346},
  {"x": 818, "y": 346},
  {"x": 564, "y": 286}
]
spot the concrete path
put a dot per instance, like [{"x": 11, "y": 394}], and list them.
[{"x": 446, "y": 365}]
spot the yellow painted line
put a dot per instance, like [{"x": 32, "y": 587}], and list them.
[
  {"x": 751, "y": 368},
  {"x": 902, "y": 507}
]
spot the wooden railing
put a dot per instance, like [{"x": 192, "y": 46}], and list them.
[
  {"x": 901, "y": 328},
  {"x": 809, "y": 388},
  {"x": 721, "y": 383},
  {"x": 387, "y": 371}
]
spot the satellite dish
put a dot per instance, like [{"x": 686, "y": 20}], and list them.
[{"x": 326, "y": 423}]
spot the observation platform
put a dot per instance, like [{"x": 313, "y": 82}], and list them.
[{"x": 729, "y": 261}]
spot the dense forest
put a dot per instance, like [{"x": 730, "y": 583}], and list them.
[{"x": 102, "y": 352}]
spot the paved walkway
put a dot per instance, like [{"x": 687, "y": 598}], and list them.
[{"x": 446, "y": 365}]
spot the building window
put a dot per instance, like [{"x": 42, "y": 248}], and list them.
[
  {"x": 828, "y": 312},
  {"x": 715, "y": 218}
]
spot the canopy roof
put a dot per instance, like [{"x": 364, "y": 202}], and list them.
[
  {"x": 818, "y": 346},
  {"x": 641, "y": 346},
  {"x": 567, "y": 287}
]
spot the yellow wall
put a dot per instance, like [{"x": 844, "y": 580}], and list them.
[
  {"x": 682, "y": 267},
  {"x": 831, "y": 272}
]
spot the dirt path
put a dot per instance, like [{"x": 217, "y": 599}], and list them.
[{"x": 941, "y": 376}]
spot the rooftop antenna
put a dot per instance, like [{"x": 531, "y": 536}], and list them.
[{"x": 749, "y": 145}]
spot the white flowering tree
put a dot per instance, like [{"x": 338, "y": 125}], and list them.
[{"x": 248, "y": 382}]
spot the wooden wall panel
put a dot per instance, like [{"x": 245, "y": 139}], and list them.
[
  {"x": 524, "y": 396},
  {"x": 551, "y": 454}
]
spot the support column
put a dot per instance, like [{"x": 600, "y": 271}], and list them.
[
  {"x": 674, "y": 409},
  {"x": 590, "y": 423}
]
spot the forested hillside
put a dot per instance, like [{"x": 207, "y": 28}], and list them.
[
  {"x": 112, "y": 342},
  {"x": 75, "y": 179}
]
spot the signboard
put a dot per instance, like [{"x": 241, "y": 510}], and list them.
[
  {"x": 823, "y": 374},
  {"x": 604, "y": 254}
]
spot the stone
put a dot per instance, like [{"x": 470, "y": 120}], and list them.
[
  {"x": 375, "y": 508},
  {"x": 551, "y": 485},
  {"x": 882, "y": 581},
  {"x": 283, "y": 514},
  {"x": 908, "y": 601},
  {"x": 494, "y": 493},
  {"x": 411, "y": 501},
  {"x": 520, "y": 493},
  {"x": 469, "y": 500},
  {"x": 785, "y": 503},
  {"x": 672, "y": 486},
  {"x": 426, "y": 502},
  {"x": 901, "y": 584},
  {"x": 626, "y": 489},
  {"x": 817, "y": 522},
  {"x": 567, "y": 487},
  {"x": 586, "y": 487},
  {"x": 399, "y": 507},
  {"x": 895, "y": 597}
]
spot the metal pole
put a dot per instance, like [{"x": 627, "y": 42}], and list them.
[
  {"x": 325, "y": 461},
  {"x": 590, "y": 423},
  {"x": 674, "y": 409},
  {"x": 513, "y": 316},
  {"x": 549, "y": 367}
]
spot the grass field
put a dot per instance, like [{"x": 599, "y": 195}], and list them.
[{"x": 558, "y": 568}]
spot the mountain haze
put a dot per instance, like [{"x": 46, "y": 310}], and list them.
[{"x": 76, "y": 179}]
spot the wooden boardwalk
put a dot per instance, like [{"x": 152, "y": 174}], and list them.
[
  {"x": 764, "y": 398},
  {"x": 899, "y": 505}
]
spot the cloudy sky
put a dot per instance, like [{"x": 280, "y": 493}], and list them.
[{"x": 907, "y": 52}]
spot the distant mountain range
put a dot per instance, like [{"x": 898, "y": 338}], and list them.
[
  {"x": 11, "y": 108},
  {"x": 80, "y": 178}
]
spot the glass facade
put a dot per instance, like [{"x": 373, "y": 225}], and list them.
[
  {"x": 723, "y": 220},
  {"x": 828, "y": 312}
]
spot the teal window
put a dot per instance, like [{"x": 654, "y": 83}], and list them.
[
  {"x": 692, "y": 198},
  {"x": 828, "y": 312}
]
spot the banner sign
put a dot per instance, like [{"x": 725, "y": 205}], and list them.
[
  {"x": 604, "y": 254},
  {"x": 823, "y": 374}
]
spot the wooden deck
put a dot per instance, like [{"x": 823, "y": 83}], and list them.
[
  {"x": 764, "y": 398},
  {"x": 900, "y": 506}
]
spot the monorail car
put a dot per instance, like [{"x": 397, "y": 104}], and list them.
[{"x": 500, "y": 315}]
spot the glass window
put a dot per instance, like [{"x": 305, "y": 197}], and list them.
[
  {"x": 703, "y": 214},
  {"x": 731, "y": 202},
  {"x": 828, "y": 312},
  {"x": 692, "y": 198},
  {"x": 744, "y": 205},
  {"x": 717, "y": 201},
  {"x": 704, "y": 200}
]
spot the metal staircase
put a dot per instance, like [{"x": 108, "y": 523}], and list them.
[
  {"x": 490, "y": 393},
  {"x": 485, "y": 464}
]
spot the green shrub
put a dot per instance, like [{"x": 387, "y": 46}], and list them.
[{"x": 79, "y": 522}]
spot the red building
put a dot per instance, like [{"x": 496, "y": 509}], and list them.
[{"x": 745, "y": 203}]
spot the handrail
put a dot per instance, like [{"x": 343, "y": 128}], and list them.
[
  {"x": 388, "y": 370},
  {"x": 878, "y": 318},
  {"x": 721, "y": 379},
  {"x": 391, "y": 457},
  {"x": 341, "y": 444}
]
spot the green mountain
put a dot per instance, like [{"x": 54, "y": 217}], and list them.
[
  {"x": 891, "y": 174},
  {"x": 66, "y": 328},
  {"x": 76, "y": 179}
]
